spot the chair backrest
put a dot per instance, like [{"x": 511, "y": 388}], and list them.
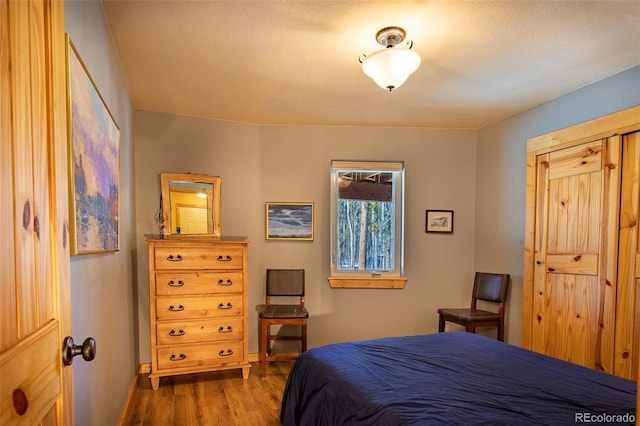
[
  {"x": 285, "y": 282},
  {"x": 490, "y": 287}
]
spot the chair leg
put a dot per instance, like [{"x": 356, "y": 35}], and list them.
[
  {"x": 264, "y": 342},
  {"x": 303, "y": 337},
  {"x": 501, "y": 332},
  {"x": 470, "y": 328},
  {"x": 441, "y": 322}
]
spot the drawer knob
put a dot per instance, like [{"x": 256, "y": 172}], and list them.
[
  {"x": 226, "y": 283},
  {"x": 174, "y": 309},
  {"x": 229, "y": 352},
  {"x": 229, "y": 329},
  {"x": 223, "y": 306},
  {"x": 178, "y": 333},
  {"x": 226, "y": 258},
  {"x": 175, "y": 357},
  {"x": 172, "y": 258},
  {"x": 172, "y": 283}
]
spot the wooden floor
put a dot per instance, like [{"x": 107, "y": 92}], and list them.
[{"x": 214, "y": 398}]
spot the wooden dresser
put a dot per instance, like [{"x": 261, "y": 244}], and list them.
[{"x": 198, "y": 306}]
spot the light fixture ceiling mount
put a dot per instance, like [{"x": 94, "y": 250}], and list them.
[
  {"x": 390, "y": 36},
  {"x": 391, "y": 66}
]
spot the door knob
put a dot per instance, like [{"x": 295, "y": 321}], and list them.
[{"x": 69, "y": 350}]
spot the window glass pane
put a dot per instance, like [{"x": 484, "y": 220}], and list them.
[{"x": 366, "y": 216}]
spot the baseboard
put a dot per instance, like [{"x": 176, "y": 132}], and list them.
[{"x": 142, "y": 369}]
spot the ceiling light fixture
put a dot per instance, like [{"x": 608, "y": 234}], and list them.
[{"x": 391, "y": 66}]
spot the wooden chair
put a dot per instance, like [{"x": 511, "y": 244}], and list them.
[
  {"x": 487, "y": 287},
  {"x": 282, "y": 283}
]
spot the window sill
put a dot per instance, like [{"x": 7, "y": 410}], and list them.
[{"x": 335, "y": 282}]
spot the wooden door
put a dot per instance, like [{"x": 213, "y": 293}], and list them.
[
  {"x": 582, "y": 260},
  {"x": 574, "y": 281},
  {"x": 191, "y": 219},
  {"x": 34, "y": 265},
  {"x": 627, "y": 344}
]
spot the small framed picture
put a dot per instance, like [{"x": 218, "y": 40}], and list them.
[
  {"x": 289, "y": 221},
  {"x": 439, "y": 221}
]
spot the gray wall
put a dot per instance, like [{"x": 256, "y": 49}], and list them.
[
  {"x": 102, "y": 286},
  {"x": 479, "y": 174},
  {"x": 501, "y": 165},
  {"x": 291, "y": 163}
]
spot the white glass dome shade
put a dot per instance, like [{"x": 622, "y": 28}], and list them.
[{"x": 391, "y": 67}]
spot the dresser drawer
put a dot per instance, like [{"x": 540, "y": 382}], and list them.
[
  {"x": 179, "y": 283},
  {"x": 194, "y": 331},
  {"x": 184, "y": 307},
  {"x": 167, "y": 257},
  {"x": 197, "y": 355}
]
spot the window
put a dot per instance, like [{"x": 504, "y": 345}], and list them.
[{"x": 367, "y": 229}]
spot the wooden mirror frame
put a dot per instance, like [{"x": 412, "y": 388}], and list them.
[{"x": 213, "y": 210}]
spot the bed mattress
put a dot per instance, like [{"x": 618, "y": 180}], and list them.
[{"x": 454, "y": 378}]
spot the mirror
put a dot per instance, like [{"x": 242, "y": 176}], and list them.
[{"x": 190, "y": 204}]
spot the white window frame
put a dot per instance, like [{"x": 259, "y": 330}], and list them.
[{"x": 369, "y": 279}]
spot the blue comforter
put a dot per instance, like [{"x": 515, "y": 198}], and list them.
[{"x": 448, "y": 379}]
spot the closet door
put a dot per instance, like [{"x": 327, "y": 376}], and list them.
[
  {"x": 582, "y": 256},
  {"x": 627, "y": 344},
  {"x": 574, "y": 277}
]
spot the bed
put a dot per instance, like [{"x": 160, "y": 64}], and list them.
[{"x": 454, "y": 378}]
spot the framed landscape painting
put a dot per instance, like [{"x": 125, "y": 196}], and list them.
[
  {"x": 439, "y": 221},
  {"x": 289, "y": 221},
  {"x": 94, "y": 154}
]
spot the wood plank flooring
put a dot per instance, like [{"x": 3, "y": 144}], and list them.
[{"x": 213, "y": 398}]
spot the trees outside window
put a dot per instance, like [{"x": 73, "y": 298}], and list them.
[{"x": 367, "y": 235}]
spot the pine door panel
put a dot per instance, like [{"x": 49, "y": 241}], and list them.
[
  {"x": 573, "y": 303},
  {"x": 34, "y": 270},
  {"x": 29, "y": 372},
  {"x": 627, "y": 345},
  {"x": 8, "y": 313}
]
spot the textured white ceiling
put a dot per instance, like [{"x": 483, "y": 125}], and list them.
[{"x": 296, "y": 62}]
